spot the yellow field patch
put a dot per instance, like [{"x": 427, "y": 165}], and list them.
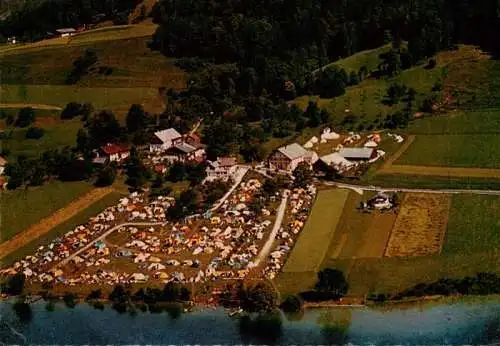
[
  {"x": 377, "y": 235},
  {"x": 420, "y": 226}
]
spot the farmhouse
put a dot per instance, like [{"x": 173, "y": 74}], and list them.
[
  {"x": 185, "y": 152},
  {"x": 288, "y": 157},
  {"x": 3, "y": 163},
  {"x": 115, "y": 152},
  {"x": 223, "y": 168},
  {"x": 334, "y": 160},
  {"x": 164, "y": 140},
  {"x": 65, "y": 32},
  {"x": 358, "y": 154}
]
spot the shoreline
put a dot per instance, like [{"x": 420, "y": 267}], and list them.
[{"x": 193, "y": 306}]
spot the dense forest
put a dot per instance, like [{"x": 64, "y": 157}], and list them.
[{"x": 33, "y": 19}]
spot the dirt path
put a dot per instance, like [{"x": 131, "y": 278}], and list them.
[
  {"x": 32, "y": 105},
  {"x": 387, "y": 164},
  {"x": 442, "y": 171},
  {"x": 47, "y": 224}
]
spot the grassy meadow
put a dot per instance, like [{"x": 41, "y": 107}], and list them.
[
  {"x": 473, "y": 224},
  {"x": 313, "y": 241},
  {"x": 22, "y": 208},
  {"x": 476, "y": 151},
  {"x": 57, "y": 135}
]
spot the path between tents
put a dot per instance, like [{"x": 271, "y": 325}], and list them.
[
  {"x": 277, "y": 225},
  {"x": 47, "y": 224},
  {"x": 32, "y": 105},
  {"x": 242, "y": 171},
  {"x": 104, "y": 235}
]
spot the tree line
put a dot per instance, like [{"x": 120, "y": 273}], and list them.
[{"x": 32, "y": 20}]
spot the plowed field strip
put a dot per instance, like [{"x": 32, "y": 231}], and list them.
[{"x": 48, "y": 223}]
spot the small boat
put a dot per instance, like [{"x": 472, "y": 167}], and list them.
[{"x": 235, "y": 312}]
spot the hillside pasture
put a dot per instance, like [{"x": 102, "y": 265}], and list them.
[
  {"x": 60, "y": 95},
  {"x": 133, "y": 64},
  {"x": 420, "y": 226},
  {"x": 57, "y": 135},
  {"x": 314, "y": 240}
]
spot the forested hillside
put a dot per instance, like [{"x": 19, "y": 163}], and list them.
[
  {"x": 247, "y": 57},
  {"x": 31, "y": 20}
]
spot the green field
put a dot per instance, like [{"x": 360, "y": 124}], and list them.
[
  {"x": 82, "y": 217},
  {"x": 473, "y": 224},
  {"x": 60, "y": 95},
  {"x": 368, "y": 58},
  {"x": 133, "y": 64},
  {"x": 314, "y": 240},
  {"x": 23, "y": 208},
  {"x": 474, "y": 151},
  {"x": 431, "y": 182},
  {"x": 58, "y": 135}
]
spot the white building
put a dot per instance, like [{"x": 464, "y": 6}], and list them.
[
  {"x": 66, "y": 32},
  {"x": 164, "y": 140},
  {"x": 223, "y": 168},
  {"x": 3, "y": 163},
  {"x": 288, "y": 157}
]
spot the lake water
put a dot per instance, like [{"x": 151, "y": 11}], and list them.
[{"x": 452, "y": 324}]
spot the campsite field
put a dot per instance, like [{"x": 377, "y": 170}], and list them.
[
  {"x": 313, "y": 242},
  {"x": 22, "y": 208},
  {"x": 80, "y": 218},
  {"x": 420, "y": 226},
  {"x": 473, "y": 224}
]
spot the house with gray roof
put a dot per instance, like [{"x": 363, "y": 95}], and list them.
[
  {"x": 164, "y": 140},
  {"x": 358, "y": 154},
  {"x": 289, "y": 156}
]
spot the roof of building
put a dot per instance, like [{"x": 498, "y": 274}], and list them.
[
  {"x": 194, "y": 143},
  {"x": 167, "y": 135},
  {"x": 65, "y": 30},
  {"x": 293, "y": 151},
  {"x": 359, "y": 153},
  {"x": 183, "y": 148},
  {"x": 112, "y": 148},
  {"x": 336, "y": 159},
  {"x": 3, "y": 161},
  {"x": 99, "y": 160},
  {"x": 223, "y": 162}
]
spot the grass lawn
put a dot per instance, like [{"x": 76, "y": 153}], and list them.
[
  {"x": 475, "y": 151},
  {"x": 314, "y": 240},
  {"x": 473, "y": 224},
  {"x": 60, "y": 95},
  {"x": 57, "y": 135},
  {"x": 69, "y": 225},
  {"x": 22, "y": 208}
]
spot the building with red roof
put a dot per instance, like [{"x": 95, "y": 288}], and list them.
[{"x": 116, "y": 152}]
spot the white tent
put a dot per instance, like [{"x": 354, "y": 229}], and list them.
[
  {"x": 370, "y": 144},
  {"x": 314, "y": 140},
  {"x": 308, "y": 145}
]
